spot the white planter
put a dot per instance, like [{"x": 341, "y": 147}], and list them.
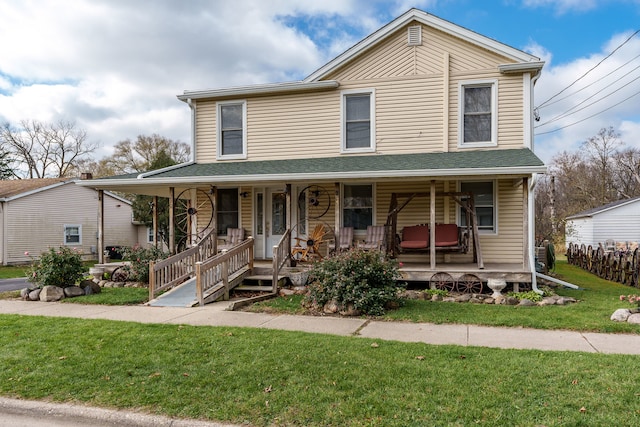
[
  {"x": 298, "y": 278},
  {"x": 96, "y": 272},
  {"x": 496, "y": 285}
]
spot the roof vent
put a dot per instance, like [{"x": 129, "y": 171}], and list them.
[{"x": 414, "y": 35}]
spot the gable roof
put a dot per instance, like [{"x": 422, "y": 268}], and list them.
[
  {"x": 460, "y": 163},
  {"x": 522, "y": 60},
  {"x": 427, "y": 19},
  {"x": 15, "y": 187},
  {"x": 604, "y": 208}
]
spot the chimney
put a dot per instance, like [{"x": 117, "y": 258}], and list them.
[{"x": 86, "y": 175}]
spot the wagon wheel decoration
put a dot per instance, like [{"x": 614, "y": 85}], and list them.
[
  {"x": 635, "y": 268},
  {"x": 469, "y": 284},
  {"x": 442, "y": 281},
  {"x": 599, "y": 261},
  {"x": 314, "y": 202},
  {"x": 308, "y": 247},
  {"x": 191, "y": 219},
  {"x": 612, "y": 270}
]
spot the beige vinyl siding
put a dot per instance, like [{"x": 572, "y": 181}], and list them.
[
  {"x": 246, "y": 212},
  {"x": 36, "y": 222},
  {"x": 205, "y": 131},
  {"x": 506, "y": 245},
  {"x": 409, "y": 83}
]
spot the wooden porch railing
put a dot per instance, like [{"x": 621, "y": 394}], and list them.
[
  {"x": 167, "y": 273},
  {"x": 281, "y": 254},
  {"x": 223, "y": 271}
]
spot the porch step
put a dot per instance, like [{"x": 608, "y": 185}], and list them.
[{"x": 260, "y": 280}]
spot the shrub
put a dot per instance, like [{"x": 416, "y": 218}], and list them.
[
  {"x": 530, "y": 295},
  {"x": 139, "y": 259},
  {"x": 441, "y": 292},
  {"x": 57, "y": 267},
  {"x": 366, "y": 280}
]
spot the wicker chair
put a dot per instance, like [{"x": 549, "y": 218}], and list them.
[
  {"x": 374, "y": 239},
  {"x": 234, "y": 237},
  {"x": 344, "y": 240}
]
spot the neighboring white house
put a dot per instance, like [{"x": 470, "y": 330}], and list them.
[
  {"x": 618, "y": 221},
  {"x": 36, "y": 214}
]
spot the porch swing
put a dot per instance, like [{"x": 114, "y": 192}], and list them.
[{"x": 439, "y": 237}]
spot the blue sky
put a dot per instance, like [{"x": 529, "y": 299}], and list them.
[{"x": 115, "y": 66}]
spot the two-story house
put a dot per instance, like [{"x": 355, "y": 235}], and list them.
[{"x": 421, "y": 110}]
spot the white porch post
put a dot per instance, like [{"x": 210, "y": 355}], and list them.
[
  {"x": 155, "y": 221},
  {"x": 101, "y": 246},
  {"x": 172, "y": 225},
  {"x": 432, "y": 225}
]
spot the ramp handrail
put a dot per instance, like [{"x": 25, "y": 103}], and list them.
[
  {"x": 172, "y": 271},
  {"x": 281, "y": 254},
  {"x": 219, "y": 268}
]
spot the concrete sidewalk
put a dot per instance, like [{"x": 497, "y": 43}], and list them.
[{"x": 465, "y": 335}]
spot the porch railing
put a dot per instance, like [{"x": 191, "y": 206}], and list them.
[
  {"x": 167, "y": 273},
  {"x": 223, "y": 270},
  {"x": 281, "y": 254}
]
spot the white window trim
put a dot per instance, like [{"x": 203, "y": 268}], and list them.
[
  {"x": 359, "y": 233},
  {"x": 219, "y": 155},
  {"x": 494, "y": 113},
  {"x": 64, "y": 234},
  {"x": 372, "y": 118},
  {"x": 150, "y": 235},
  {"x": 495, "y": 206}
]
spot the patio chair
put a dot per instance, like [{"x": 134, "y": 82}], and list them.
[
  {"x": 374, "y": 238},
  {"x": 234, "y": 237},
  {"x": 343, "y": 241}
]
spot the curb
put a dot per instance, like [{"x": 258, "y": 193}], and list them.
[{"x": 90, "y": 416}]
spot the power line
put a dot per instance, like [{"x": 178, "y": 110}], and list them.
[
  {"x": 594, "y": 82},
  {"x": 591, "y": 116},
  {"x": 591, "y": 69},
  {"x": 569, "y": 111}
]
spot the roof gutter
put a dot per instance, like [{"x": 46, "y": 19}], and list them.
[
  {"x": 265, "y": 89},
  {"x": 192, "y": 107},
  {"x": 255, "y": 178}
]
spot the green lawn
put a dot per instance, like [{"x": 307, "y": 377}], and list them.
[
  {"x": 598, "y": 300},
  {"x": 12, "y": 272},
  {"x": 265, "y": 377}
]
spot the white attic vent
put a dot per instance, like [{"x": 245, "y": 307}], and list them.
[{"x": 414, "y": 35}]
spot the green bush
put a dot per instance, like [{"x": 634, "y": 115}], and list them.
[
  {"x": 57, "y": 267},
  {"x": 530, "y": 295},
  {"x": 139, "y": 259},
  {"x": 365, "y": 280}
]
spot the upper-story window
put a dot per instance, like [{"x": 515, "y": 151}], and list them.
[
  {"x": 478, "y": 114},
  {"x": 232, "y": 130},
  {"x": 358, "y": 120}
]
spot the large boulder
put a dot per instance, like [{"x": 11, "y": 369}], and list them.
[
  {"x": 95, "y": 287},
  {"x": 634, "y": 318},
  {"x": 621, "y": 315},
  {"x": 51, "y": 293},
  {"x": 34, "y": 295},
  {"x": 73, "y": 291}
]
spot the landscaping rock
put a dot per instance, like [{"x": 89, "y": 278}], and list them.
[
  {"x": 350, "y": 311},
  {"x": 476, "y": 300},
  {"x": 525, "y": 302},
  {"x": 463, "y": 298},
  {"x": 511, "y": 301},
  {"x": 73, "y": 291},
  {"x": 284, "y": 292},
  {"x": 436, "y": 297},
  {"x": 499, "y": 299},
  {"x": 24, "y": 293},
  {"x": 408, "y": 294},
  {"x": 330, "y": 307},
  {"x": 621, "y": 315},
  {"x": 634, "y": 318},
  {"x": 34, "y": 295},
  {"x": 51, "y": 293},
  {"x": 565, "y": 300},
  {"x": 448, "y": 299},
  {"x": 88, "y": 290},
  {"x": 548, "y": 301},
  {"x": 489, "y": 300}
]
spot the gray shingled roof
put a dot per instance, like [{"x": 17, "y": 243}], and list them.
[
  {"x": 365, "y": 163},
  {"x": 595, "y": 211}
]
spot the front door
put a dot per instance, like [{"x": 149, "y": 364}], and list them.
[{"x": 275, "y": 218}]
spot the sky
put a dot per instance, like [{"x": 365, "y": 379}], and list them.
[{"x": 115, "y": 67}]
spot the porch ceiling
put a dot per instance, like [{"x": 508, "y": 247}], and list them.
[{"x": 419, "y": 165}]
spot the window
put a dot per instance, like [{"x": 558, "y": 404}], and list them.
[
  {"x": 232, "y": 130},
  {"x": 227, "y": 206},
  {"x": 72, "y": 234},
  {"x": 358, "y": 125},
  {"x": 484, "y": 200},
  {"x": 478, "y": 124},
  {"x": 149, "y": 234},
  {"x": 357, "y": 206}
]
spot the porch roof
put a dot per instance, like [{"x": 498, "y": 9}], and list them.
[{"x": 461, "y": 163}]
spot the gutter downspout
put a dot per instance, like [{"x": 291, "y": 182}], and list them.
[
  {"x": 192, "y": 107},
  {"x": 532, "y": 208}
]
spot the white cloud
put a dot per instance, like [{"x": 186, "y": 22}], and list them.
[
  {"x": 600, "y": 99},
  {"x": 563, "y": 6}
]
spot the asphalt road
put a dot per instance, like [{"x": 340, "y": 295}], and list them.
[{"x": 13, "y": 284}]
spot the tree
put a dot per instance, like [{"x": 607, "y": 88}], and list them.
[
  {"x": 600, "y": 150},
  {"x": 145, "y": 154},
  {"x": 6, "y": 171},
  {"x": 46, "y": 149}
]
